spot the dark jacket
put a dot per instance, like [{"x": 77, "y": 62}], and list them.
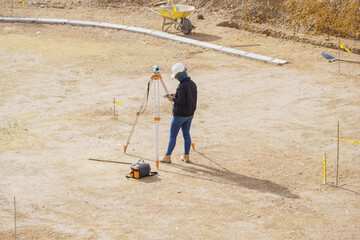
[{"x": 185, "y": 98}]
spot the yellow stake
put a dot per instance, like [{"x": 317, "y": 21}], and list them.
[
  {"x": 21, "y": 1},
  {"x": 324, "y": 170}
]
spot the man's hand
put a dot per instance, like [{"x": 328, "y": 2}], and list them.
[{"x": 170, "y": 96}]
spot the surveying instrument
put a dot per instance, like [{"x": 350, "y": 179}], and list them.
[{"x": 155, "y": 79}]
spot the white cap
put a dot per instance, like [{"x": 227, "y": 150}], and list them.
[{"x": 178, "y": 67}]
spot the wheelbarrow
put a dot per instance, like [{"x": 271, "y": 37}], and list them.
[{"x": 176, "y": 15}]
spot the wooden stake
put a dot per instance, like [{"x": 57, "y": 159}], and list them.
[
  {"x": 114, "y": 108},
  {"x": 246, "y": 20},
  {"x": 325, "y": 170},
  {"x": 15, "y": 215},
  {"x": 339, "y": 56},
  {"x": 12, "y": 4},
  {"x": 337, "y": 159}
]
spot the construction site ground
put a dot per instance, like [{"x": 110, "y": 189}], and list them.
[{"x": 260, "y": 130}]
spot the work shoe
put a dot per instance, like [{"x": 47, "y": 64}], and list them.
[
  {"x": 185, "y": 158},
  {"x": 166, "y": 159}
]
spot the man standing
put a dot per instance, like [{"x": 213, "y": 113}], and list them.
[{"x": 183, "y": 111}]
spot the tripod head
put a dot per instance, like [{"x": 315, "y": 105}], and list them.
[{"x": 156, "y": 70}]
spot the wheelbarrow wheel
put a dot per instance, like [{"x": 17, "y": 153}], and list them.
[{"x": 185, "y": 26}]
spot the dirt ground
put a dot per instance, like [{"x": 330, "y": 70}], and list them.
[{"x": 260, "y": 130}]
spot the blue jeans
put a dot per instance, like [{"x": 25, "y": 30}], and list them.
[{"x": 176, "y": 123}]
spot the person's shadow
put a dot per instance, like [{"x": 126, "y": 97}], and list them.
[{"x": 225, "y": 176}]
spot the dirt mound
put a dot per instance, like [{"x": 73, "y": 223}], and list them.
[
  {"x": 278, "y": 18},
  {"x": 337, "y": 18},
  {"x": 340, "y": 18}
]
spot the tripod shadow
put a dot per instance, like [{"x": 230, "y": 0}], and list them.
[
  {"x": 225, "y": 176},
  {"x": 144, "y": 180},
  {"x": 203, "y": 155},
  {"x": 341, "y": 186}
]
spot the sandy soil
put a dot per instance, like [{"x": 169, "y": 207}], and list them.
[{"x": 260, "y": 130}]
